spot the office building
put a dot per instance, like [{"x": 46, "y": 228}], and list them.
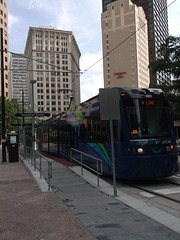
[
  {"x": 125, "y": 45},
  {"x": 157, "y": 21},
  {"x": 157, "y": 17},
  {"x": 53, "y": 63},
  {"x": 4, "y": 26},
  {"x": 18, "y": 78}
]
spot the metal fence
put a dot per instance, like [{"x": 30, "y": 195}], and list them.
[
  {"x": 78, "y": 156},
  {"x": 44, "y": 165},
  {"x": 39, "y": 162}
]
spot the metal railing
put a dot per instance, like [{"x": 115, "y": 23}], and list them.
[
  {"x": 40, "y": 163},
  {"x": 79, "y": 159}
]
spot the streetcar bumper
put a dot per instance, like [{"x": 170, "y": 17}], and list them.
[{"x": 143, "y": 167}]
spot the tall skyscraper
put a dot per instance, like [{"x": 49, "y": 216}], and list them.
[
  {"x": 53, "y": 62},
  {"x": 125, "y": 45},
  {"x": 18, "y": 77},
  {"x": 157, "y": 20},
  {"x": 4, "y": 26},
  {"x": 105, "y": 3}
]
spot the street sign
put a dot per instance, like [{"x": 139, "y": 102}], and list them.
[
  {"x": 19, "y": 125},
  {"x": 32, "y": 114},
  {"x": 109, "y": 104}
]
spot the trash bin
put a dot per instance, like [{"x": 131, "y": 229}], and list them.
[{"x": 13, "y": 147}]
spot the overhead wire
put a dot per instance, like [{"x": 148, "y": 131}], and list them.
[
  {"x": 40, "y": 61},
  {"x": 84, "y": 71},
  {"x": 122, "y": 42},
  {"x": 125, "y": 39}
]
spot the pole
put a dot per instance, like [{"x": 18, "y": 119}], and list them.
[
  {"x": 2, "y": 102},
  {"x": 33, "y": 137},
  {"x": 23, "y": 127},
  {"x": 112, "y": 144}
]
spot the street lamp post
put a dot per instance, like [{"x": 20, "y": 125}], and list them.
[
  {"x": 32, "y": 107},
  {"x": 2, "y": 102}
]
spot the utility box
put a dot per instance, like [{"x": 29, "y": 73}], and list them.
[{"x": 13, "y": 147}]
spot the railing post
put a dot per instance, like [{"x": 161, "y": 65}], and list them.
[
  {"x": 31, "y": 157},
  {"x": 71, "y": 157},
  {"x": 34, "y": 161},
  {"x": 80, "y": 161},
  {"x": 98, "y": 173},
  {"x": 81, "y": 164},
  {"x": 49, "y": 174},
  {"x": 40, "y": 166},
  {"x": 29, "y": 154}
]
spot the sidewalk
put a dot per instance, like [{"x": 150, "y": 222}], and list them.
[
  {"x": 28, "y": 214},
  {"x": 75, "y": 210}
]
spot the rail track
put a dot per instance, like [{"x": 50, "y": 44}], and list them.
[{"x": 167, "y": 189}]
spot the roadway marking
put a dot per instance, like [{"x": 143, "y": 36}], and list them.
[
  {"x": 146, "y": 194},
  {"x": 167, "y": 191}
]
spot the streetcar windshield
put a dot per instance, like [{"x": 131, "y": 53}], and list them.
[{"x": 147, "y": 118}]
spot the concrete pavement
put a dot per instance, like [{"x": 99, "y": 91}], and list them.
[{"x": 74, "y": 209}]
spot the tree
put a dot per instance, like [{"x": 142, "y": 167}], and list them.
[
  {"x": 169, "y": 62},
  {"x": 10, "y": 111},
  {"x": 172, "y": 91},
  {"x": 168, "y": 57}
]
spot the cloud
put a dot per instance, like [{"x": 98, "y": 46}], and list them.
[
  {"x": 80, "y": 16},
  {"x": 90, "y": 86},
  {"x": 174, "y": 17},
  {"x": 92, "y": 79},
  {"x": 31, "y": 4},
  {"x": 174, "y": 25},
  {"x": 91, "y": 61},
  {"x": 12, "y": 20}
]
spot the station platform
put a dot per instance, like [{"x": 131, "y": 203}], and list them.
[{"x": 75, "y": 208}]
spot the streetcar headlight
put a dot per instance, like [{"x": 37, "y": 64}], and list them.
[
  {"x": 169, "y": 148},
  {"x": 140, "y": 150}
]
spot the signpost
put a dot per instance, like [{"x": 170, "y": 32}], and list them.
[{"x": 110, "y": 110}]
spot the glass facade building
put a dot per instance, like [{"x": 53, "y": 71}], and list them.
[
  {"x": 157, "y": 20},
  {"x": 18, "y": 77},
  {"x": 105, "y": 3}
]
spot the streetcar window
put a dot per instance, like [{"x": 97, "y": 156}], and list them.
[
  {"x": 94, "y": 130},
  {"x": 147, "y": 118},
  {"x": 53, "y": 137}
]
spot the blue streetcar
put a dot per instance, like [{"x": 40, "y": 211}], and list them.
[{"x": 144, "y": 138}]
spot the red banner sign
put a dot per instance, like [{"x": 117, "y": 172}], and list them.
[{"x": 119, "y": 74}]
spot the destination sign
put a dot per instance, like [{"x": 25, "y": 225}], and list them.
[{"x": 148, "y": 102}]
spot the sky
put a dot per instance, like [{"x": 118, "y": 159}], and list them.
[{"x": 83, "y": 18}]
